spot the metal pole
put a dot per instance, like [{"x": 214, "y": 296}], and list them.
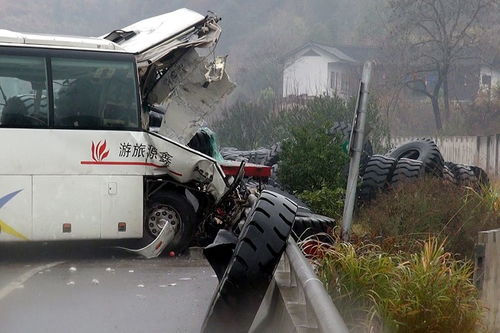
[
  {"x": 356, "y": 148},
  {"x": 329, "y": 319}
]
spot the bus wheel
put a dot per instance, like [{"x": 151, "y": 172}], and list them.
[{"x": 174, "y": 208}]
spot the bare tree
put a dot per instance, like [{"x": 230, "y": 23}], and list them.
[{"x": 432, "y": 36}]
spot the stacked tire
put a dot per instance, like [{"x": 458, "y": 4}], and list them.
[
  {"x": 409, "y": 162},
  {"x": 424, "y": 150}
]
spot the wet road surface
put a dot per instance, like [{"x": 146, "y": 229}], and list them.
[{"x": 87, "y": 288}]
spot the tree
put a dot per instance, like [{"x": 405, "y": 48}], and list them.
[{"x": 433, "y": 36}]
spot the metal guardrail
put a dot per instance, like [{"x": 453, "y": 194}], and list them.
[
  {"x": 318, "y": 302},
  {"x": 296, "y": 300}
]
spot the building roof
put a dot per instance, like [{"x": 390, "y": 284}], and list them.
[{"x": 346, "y": 53}]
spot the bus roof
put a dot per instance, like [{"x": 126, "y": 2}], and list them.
[
  {"x": 12, "y": 38},
  {"x": 141, "y": 35}
]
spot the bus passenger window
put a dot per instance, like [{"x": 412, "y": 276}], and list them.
[
  {"x": 94, "y": 94},
  {"x": 23, "y": 92}
]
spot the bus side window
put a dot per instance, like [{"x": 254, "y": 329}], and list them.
[
  {"x": 23, "y": 91},
  {"x": 94, "y": 94}
]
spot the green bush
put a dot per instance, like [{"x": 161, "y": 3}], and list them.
[
  {"x": 375, "y": 291},
  {"x": 325, "y": 201},
  {"x": 311, "y": 160}
]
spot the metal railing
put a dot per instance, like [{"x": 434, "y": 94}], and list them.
[
  {"x": 296, "y": 300},
  {"x": 318, "y": 303}
]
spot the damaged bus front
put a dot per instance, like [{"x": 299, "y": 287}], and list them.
[{"x": 102, "y": 135}]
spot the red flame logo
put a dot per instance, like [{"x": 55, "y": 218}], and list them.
[{"x": 99, "y": 151}]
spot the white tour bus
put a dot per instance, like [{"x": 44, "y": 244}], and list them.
[{"x": 79, "y": 158}]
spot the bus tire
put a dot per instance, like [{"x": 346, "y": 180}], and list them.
[
  {"x": 252, "y": 265},
  {"x": 174, "y": 207}
]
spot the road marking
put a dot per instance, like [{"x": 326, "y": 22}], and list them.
[{"x": 21, "y": 279}]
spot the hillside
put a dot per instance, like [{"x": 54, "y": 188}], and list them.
[{"x": 256, "y": 33}]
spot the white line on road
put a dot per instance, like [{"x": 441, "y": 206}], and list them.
[{"x": 21, "y": 279}]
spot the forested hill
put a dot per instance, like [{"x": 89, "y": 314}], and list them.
[{"x": 256, "y": 33}]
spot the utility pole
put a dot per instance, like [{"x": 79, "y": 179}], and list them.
[{"x": 355, "y": 149}]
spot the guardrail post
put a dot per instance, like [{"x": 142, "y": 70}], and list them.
[{"x": 487, "y": 275}]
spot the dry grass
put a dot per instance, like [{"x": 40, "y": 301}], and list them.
[
  {"x": 428, "y": 291},
  {"x": 430, "y": 207}
]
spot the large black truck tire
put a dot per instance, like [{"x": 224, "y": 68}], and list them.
[
  {"x": 464, "y": 174},
  {"x": 481, "y": 175},
  {"x": 407, "y": 170},
  {"x": 273, "y": 156},
  {"x": 341, "y": 129},
  {"x": 250, "y": 270},
  {"x": 308, "y": 224},
  {"x": 376, "y": 176},
  {"x": 448, "y": 173},
  {"x": 424, "y": 150}
]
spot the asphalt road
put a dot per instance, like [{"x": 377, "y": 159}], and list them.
[{"x": 83, "y": 287}]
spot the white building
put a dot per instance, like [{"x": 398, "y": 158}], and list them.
[{"x": 316, "y": 69}]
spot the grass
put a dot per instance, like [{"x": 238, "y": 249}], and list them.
[
  {"x": 428, "y": 291},
  {"x": 431, "y": 207},
  {"x": 408, "y": 267}
]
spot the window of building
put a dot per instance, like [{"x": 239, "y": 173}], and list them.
[
  {"x": 96, "y": 94},
  {"x": 334, "y": 78},
  {"x": 486, "y": 80},
  {"x": 23, "y": 92},
  {"x": 344, "y": 84}
]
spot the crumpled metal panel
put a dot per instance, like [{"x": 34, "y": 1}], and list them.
[{"x": 188, "y": 96}]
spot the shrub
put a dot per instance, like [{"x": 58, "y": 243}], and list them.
[
  {"x": 311, "y": 160},
  {"x": 429, "y": 291},
  {"x": 325, "y": 201},
  {"x": 430, "y": 207}
]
